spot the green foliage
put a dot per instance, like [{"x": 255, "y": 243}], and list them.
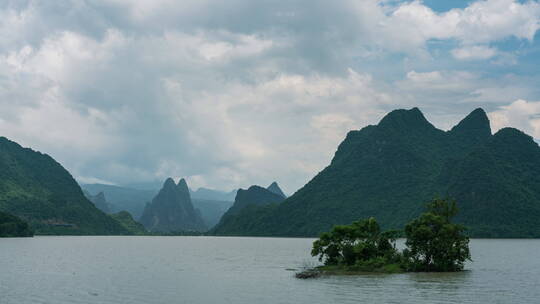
[
  {"x": 254, "y": 203},
  {"x": 386, "y": 171},
  {"x": 36, "y": 188},
  {"x": 12, "y": 226},
  {"x": 361, "y": 244},
  {"x": 434, "y": 243},
  {"x": 126, "y": 220}
]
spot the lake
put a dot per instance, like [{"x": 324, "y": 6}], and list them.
[{"x": 117, "y": 269}]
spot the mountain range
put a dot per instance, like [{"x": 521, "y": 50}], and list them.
[
  {"x": 122, "y": 198},
  {"x": 211, "y": 203},
  {"x": 390, "y": 170}
]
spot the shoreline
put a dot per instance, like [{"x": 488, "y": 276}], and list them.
[{"x": 348, "y": 270}]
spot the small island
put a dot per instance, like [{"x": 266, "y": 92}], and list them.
[{"x": 433, "y": 244}]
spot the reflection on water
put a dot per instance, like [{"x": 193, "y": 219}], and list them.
[
  {"x": 445, "y": 280},
  {"x": 243, "y": 270}
]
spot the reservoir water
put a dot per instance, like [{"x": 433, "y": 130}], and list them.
[{"x": 211, "y": 270}]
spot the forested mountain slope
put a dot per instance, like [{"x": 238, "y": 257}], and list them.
[
  {"x": 392, "y": 169},
  {"x": 36, "y": 188}
]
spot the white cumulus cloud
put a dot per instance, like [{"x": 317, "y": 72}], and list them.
[
  {"x": 521, "y": 114},
  {"x": 240, "y": 92},
  {"x": 474, "y": 52}
]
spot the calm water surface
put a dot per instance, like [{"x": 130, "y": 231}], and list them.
[{"x": 243, "y": 270}]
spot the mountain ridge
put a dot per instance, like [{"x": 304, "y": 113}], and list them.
[
  {"x": 274, "y": 188},
  {"x": 254, "y": 196},
  {"x": 390, "y": 170},
  {"x": 123, "y": 198},
  {"x": 171, "y": 210}
]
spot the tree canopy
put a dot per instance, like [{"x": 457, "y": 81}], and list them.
[
  {"x": 12, "y": 226},
  {"x": 433, "y": 243},
  {"x": 361, "y": 244}
]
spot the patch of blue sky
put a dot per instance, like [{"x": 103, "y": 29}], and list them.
[
  {"x": 519, "y": 56},
  {"x": 446, "y": 5}
]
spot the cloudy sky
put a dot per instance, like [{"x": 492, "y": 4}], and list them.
[{"x": 233, "y": 93}]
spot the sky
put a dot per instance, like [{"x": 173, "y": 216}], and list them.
[{"x": 233, "y": 93}]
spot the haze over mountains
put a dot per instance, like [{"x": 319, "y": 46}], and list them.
[
  {"x": 129, "y": 204},
  {"x": 172, "y": 210},
  {"x": 213, "y": 195},
  {"x": 99, "y": 201},
  {"x": 274, "y": 188},
  {"x": 123, "y": 198},
  {"x": 388, "y": 171},
  {"x": 124, "y": 218},
  {"x": 211, "y": 203}
]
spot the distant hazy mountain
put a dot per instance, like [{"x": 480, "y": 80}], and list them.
[
  {"x": 252, "y": 199},
  {"x": 392, "y": 169},
  {"x": 123, "y": 217},
  {"x": 151, "y": 185},
  {"x": 172, "y": 210},
  {"x": 99, "y": 201},
  {"x": 213, "y": 195},
  {"x": 211, "y": 211},
  {"x": 12, "y": 226},
  {"x": 211, "y": 203},
  {"x": 274, "y": 188},
  {"x": 36, "y": 188},
  {"x": 123, "y": 198}
]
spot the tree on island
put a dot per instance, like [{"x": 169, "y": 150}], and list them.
[
  {"x": 433, "y": 243},
  {"x": 361, "y": 245}
]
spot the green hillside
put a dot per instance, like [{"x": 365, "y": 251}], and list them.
[
  {"x": 12, "y": 226},
  {"x": 389, "y": 171},
  {"x": 251, "y": 202},
  {"x": 36, "y": 188},
  {"x": 127, "y": 221}
]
